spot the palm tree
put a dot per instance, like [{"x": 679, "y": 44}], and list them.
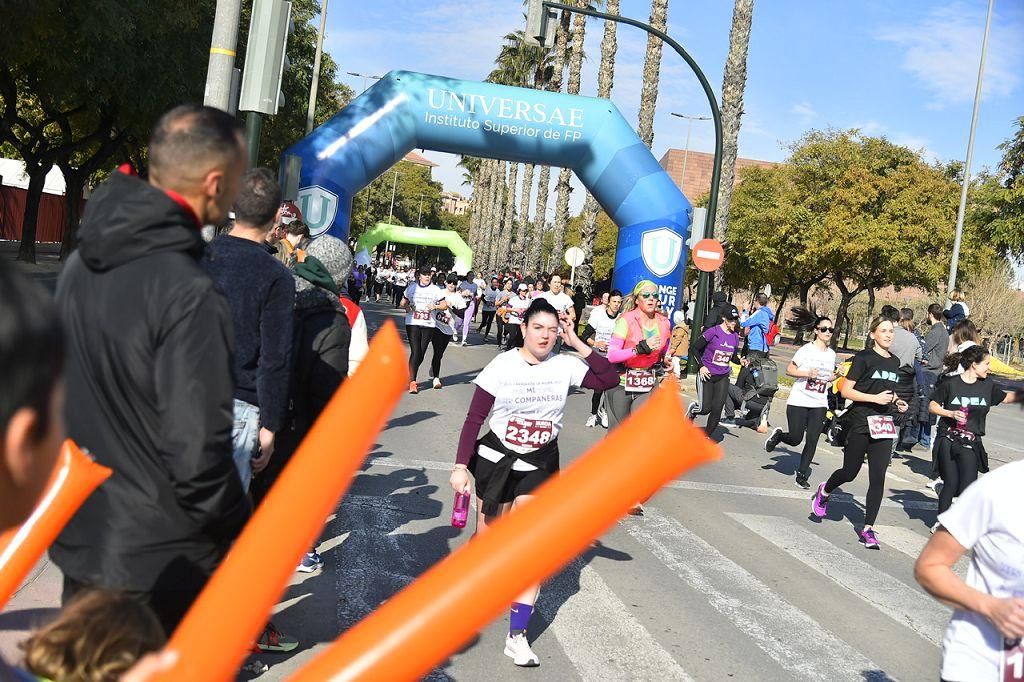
[
  {"x": 733, "y": 84},
  {"x": 505, "y": 255},
  {"x": 605, "y": 80},
  {"x": 498, "y": 191},
  {"x": 652, "y": 73}
]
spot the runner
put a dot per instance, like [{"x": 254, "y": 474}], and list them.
[
  {"x": 489, "y": 300},
  {"x": 871, "y": 386},
  {"x": 524, "y": 390},
  {"x": 447, "y": 321},
  {"x": 399, "y": 283},
  {"x": 597, "y": 334},
  {"x": 517, "y": 308},
  {"x": 471, "y": 293},
  {"x": 505, "y": 296},
  {"x": 983, "y": 639},
  {"x": 814, "y": 368},
  {"x": 716, "y": 348},
  {"x": 420, "y": 300},
  {"x": 962, "y": 403}
]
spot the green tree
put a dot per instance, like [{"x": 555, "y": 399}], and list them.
[{"x": 996, "y": 210}]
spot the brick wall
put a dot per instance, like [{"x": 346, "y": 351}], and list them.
[{"x": 697, "y": 182}]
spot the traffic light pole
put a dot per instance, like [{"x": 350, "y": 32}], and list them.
[
  {"x": 253, "y": 131},
  {"x": 704, "y": 279},
  {"x": 222, "y": 54}
]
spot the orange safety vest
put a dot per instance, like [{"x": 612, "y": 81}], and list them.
[{"x": 635, "y": 334}]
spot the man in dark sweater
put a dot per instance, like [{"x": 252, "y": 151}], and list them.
[
  {"x": 261, "y": 294},
  {"x": 936, "y": 341}
]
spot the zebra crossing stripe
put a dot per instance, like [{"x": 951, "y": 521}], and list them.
[
  {"x": 910, "y": 543},
  {"x": 899, "y": 601},
  {"x": 789, "y": 636},
  {"x": 597, "y": 632}
]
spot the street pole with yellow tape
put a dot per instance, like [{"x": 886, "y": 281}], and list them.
[{"x": 222, "y": 54}]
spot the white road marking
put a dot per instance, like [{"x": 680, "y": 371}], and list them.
[
  {"x": 910, "y": 543},
  {"x": 837, "y": 498},
  {"x": 599, "y": 634},
  {"x": 899, "y": 601},
  {"x": 789, "y": 636}
]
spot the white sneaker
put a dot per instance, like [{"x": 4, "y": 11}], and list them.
[
  {"x": 691, "y": 410},
  {"x": 591, "y": 421},
  {"x": 437, "y": 383},
  {"x": 602, "y": 414},
  {"x": 518, "y": 649}
]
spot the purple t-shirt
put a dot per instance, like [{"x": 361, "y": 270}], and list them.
[{"x": 720, "y": 349}]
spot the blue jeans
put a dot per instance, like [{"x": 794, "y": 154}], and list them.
[{"x": 245, "y": 439}]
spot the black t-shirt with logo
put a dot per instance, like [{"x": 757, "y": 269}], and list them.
[
  {"x": 978, "y": 397},
  {"x": 872, "y": 374}
]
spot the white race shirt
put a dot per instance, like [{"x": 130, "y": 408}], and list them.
[
  {"x": 444, "y": 320},
  {"x": 988, "y": 518},
  {"x": 529, "y": 399},
  {"x": 518, "y": 306},
  {"x": 812, "y": 392},
  {"x": 602, "y": 324},
  {"x": 421, "y": 298},
  {"x": 560, "y": 302},
  {"x": 490, "y": 297}
]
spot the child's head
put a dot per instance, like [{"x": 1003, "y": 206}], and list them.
[
  {"x": 98, "y": 637},
  {"x": 31, "y": 394}
]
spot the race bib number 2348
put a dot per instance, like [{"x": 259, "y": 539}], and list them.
[{"x": 528, "y": 433}]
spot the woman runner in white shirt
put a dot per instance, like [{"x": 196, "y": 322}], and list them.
[
  {"x": 814, "y": 368},
  {"x": 421, "y": 299},
  {"x": 446, "y": 326},
  {"x": 524, "y": 390}
]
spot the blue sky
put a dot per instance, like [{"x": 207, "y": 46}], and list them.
[{"x": 905, "y": 69}]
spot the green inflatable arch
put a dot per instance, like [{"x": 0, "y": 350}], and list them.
[{"x": 385, "y": 232}]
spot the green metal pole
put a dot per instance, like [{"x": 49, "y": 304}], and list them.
[
  {"x": 253, "y": 130},
  {"x": 704, "y": 279}
]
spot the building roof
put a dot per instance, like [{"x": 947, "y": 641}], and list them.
[
  {"x": 12, "y": 174},
  {"x": 699, "y": 165},
  {"x": 419, "y": 159}
]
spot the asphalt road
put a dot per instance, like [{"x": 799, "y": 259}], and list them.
[{"x": 726, "y": 577}]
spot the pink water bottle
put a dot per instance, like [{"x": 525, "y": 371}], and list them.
[
  {"x": 961, "y": 417},
  {"x": 460, "y": 512}
]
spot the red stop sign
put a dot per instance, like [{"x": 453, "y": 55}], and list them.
[{"x": 708, "y": 255}]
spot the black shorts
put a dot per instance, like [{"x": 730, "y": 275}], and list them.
[{"x": 518, "y": 483}]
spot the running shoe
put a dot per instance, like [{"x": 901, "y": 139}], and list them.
[
  {"x": 602, "y": 414},
  {"x": 518, "y": 649},
  {"x": 273, "y": 640},
  {"x": 773, "y": 440},
  {"x": 819, "y": 503},
  {"x": 935, "y": 527},
  {"x": 463, "y": 344},
  {"x": 636, "y": 510},
  {"x": 803, "y": 482},
  {"x": 413, "y": 387},
  {"x": 315, "y": 556},
  {"x": 437, "y": 383},
  {"x": 591, "y": 421},
  {"x": 868, "y": 537},
  {"x": 309, "y": 564},
  {"x": 691, "y": 410}
]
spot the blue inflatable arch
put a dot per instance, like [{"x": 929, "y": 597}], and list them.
[{"x": 406, "y": 110}]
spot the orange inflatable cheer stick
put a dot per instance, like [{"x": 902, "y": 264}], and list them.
[
  {"x": 73, "y": 480},
  {"x": 402, "y": 640},
  {"x": 219, "y": 629}
]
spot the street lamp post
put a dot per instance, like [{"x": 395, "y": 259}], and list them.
[
  {"x": 954, "y": 263},
  {"x": 365, "y": 76},
  {"x": 689, "y": 129},
  {"x": 316, "y": 69},
  {"x": 704, "y": 279}
]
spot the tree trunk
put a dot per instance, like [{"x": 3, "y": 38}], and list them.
[
  {"x": 524, "y": 229},
  {"x": 36, "y": 182},
  {"x": 871, "y": 302},
  {"x": 841, "y": 317},
  {"x": 805, "y": 292},
  {"x": 782, "y": 302},
  {"x": 539, "y": 219},
  {"x": 652, "y": 73},
  {"x": 497, "y": 259},
  {"x": 605, "y": 81},
  {"x": 561, "y": 220},
  {"x": 505, "y": 254},
  {"x": 74, "y": 181},
  {"x": 733, "y": 84}
]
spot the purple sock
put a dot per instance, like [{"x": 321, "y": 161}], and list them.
[{"x": 519, "y": 617}]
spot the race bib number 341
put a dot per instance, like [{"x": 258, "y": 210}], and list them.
[{"x": 528, "y": 433}]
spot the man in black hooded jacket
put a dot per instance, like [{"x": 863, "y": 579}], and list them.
[{"x": 149, "y": 385}]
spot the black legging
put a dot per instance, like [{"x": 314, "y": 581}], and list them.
[
  {"x": 959, "y": 468},
  {"x": 595, "y": 402},
  {"x": 878, "y": 451},
  {"x": 440, "y": 342},
  {"x": 712, "y": 394},
  {"x": 419, "y": 341},
  {"x": 805, "y": 424},
  {"x": 485, "y": 323},
  {"x": 398, "y": 292},
  {"x": 513, "y": 336}
]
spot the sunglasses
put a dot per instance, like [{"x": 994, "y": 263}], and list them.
[
  {"x": 824, "y": 330},
  {"x": 646, "y": 296}
]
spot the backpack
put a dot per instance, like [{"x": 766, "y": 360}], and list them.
[
  {"x": 766, "y": 377},
  {"x": 774, "y": 333}
]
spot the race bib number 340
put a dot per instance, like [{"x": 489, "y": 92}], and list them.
[
  {"x": 881, "y": 426},
  {"x": 528, "y": 433}
]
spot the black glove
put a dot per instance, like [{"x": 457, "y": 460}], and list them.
[{"x": 643, "y": 349}]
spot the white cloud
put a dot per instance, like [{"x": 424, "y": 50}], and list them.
[
  {"x": 942, "y": 51},
  {"x": 804, "y": 110}
]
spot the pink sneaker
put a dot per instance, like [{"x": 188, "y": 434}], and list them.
[{"x": 819, "y": 503}]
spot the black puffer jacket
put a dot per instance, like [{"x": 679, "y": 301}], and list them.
[{"x": 149, "y": 394}]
